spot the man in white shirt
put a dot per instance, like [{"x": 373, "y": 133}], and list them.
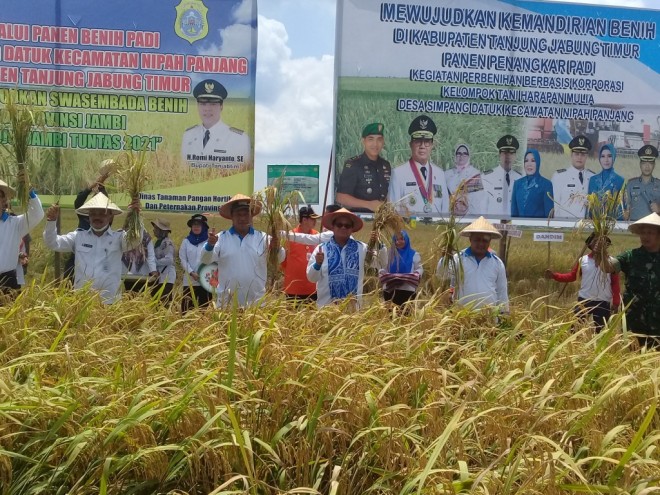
[
  {"x": 98, "y": 250},
  {"x": 241, "y": 254},
  {"x": 498, "y": 182},
  {"x": 12, "y": 230},
  {"x": 477, "y": 275},
  {"x": 570, "y": 186},
  {"x": 418, "y": 186}
]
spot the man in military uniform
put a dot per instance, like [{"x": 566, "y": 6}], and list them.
[
  {"x": 418, "y": 185},
  {"x": 571, "y": 185},
  {"x": 498, "y": 183},
  {"x": 365, "y": 178},
  {"x": 643, "y": 192},
  {"x": 213, "y": 144}
]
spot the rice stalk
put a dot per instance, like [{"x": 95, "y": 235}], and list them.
[
  {"x": 133, "y": 175},
  {"x": 447, "y": 243},
  {"x": 387, "y": 223}
]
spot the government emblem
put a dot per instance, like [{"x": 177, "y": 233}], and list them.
[{"x": 191, "y": 23}]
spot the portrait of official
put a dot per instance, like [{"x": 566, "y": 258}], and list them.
[
  {"x": 498, "y": 182},
  {"x": 214, "y": 144},
  {"x": 365, "y": 178},
  {"x": 571, "y": 185},
  {"x": 643, "y": 192}
]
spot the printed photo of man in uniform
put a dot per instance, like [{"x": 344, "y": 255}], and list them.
[
  {"x": 214, "y": 144},
  {"x": 643, "y": 192},
  {"x": 365, "y": 178},
  {"x": 498, "y": 183},
  {"x": 418, "y": 186},
  {"x": 571, "y": 185}
]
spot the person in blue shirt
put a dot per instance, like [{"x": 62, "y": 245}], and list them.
[
  {"x": 532, "y": 194},
  {"x": 607, "y": 180}
]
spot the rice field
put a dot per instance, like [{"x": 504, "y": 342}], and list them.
[{"x": 137, "y": 399}]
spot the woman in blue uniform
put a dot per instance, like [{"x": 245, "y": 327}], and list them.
[
  {"x": 532, "y": 194},
  {"x": 607, "y": 180}
]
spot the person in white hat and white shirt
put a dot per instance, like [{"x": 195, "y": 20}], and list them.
[
  {"x": 483, "y": 282},
  {"x": 12, "y": 230},
  {"x": 98, "y": 250}
]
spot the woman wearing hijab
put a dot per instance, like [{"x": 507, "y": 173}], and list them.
[
  {"x": 190, "y": 254},
  {"x": 532, "y": 194},
  {"x": 607, "y": 180},
  {"x": 401, "y": 270},
  {"x": 464, "y": 184},
  {"x": 164, "y": 250}
]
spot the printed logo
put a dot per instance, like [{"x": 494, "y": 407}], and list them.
[{"x": 191, "y": 23}]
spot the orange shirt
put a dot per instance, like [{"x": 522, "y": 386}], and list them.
[{"x": 295, "y": 268}]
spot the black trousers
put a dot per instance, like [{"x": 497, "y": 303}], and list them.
[
  {"x": 599, "y": 310},
  {"x": 8, "y": 281},
  {"x": 202, "y": 297},
  {"x": 398, "y": 296}
]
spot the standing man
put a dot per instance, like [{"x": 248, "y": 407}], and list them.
[
  {"x": 571, "y": 185},
  {"x": 241, "y": 253},
  {"x": 365, "y": 178},
  {"x": 337, "y": 266},
  {"x": 482, "y": 277},
  {"x": 98, "y": 250},
  {"x": 12, "y": 230},
  {"x": 213, "y": 144},
  {"x": 296, "y": 285},
  {"x": 420, "y": 183},
  {"x": 643, "y": 192},
  {"x": 498, "y": 183}
]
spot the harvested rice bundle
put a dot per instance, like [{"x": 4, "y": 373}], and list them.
[{"x": 132, "y": 172}]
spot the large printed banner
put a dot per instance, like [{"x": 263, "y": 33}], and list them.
[
  {"x": 173, "y": 77},
  {"x": 502, "y": 108}
]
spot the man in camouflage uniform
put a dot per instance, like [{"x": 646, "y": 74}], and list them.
[{"x": 365, "y": 178}]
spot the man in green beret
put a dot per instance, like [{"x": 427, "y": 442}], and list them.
[{"x": 365, "y": 178}]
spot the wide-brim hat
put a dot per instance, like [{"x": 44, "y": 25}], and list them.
[
  {"x": 481, "y": 226},
  {"x": 7, "y": 189},
  {"x": 329, "y": 218},
  {"x": 240, "y": 201},
  {"x": 197, "y": 217},
  {"x": 99, "y": 202},
  {"x": 653, "y": 220},
  {"x": 161, "y": 224}
]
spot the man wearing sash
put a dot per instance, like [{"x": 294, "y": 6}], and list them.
[{"x": 419, "y": 186}]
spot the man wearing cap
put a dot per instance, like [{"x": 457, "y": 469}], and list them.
[
  {"x": 213, "y": 144},
  {"x": 241, "y": 254},
  {"x": 365, "y": 178},
  {"x": 98, "y": 250},
  {"x": 482, "y": 280},
  {"x": 498, "y": 182},
  {"x": 12, "y": 230},
  {"x": 419, "y": 186},
  {"x": 570, "y": 186},
  {"x": 296, "y": 285},
  {"x": 642, "y": 288},
  {"x": 643, "y": 192},
  {"x": 337, "y": 266}
]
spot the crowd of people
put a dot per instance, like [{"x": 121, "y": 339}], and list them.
[{"x": 324, "y": 267}]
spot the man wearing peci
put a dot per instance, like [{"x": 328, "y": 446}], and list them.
[
  {"x": 498, "y": 183},
  {"x": 643, "y": 192},
  {"x": 214, "y": 144},
  {"x": 571, "y": 185},
  {"x": 418, "y": 185}
]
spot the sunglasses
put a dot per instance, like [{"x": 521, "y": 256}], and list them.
[{"x": 343, "y": 225}]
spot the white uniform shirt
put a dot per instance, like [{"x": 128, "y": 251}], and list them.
[
  {"x": 570, "y": 194},
  {"x": 475, "y": 198},
  {"x": 595, "y": 285},
  {"x": 320, "y": 277},
  {"x": 190, "y": 257},
  {"x": 497, "y": 194},
  {"x": 227, "y": 147},
  {"x": 98, "y": 258},
  {"x": 242, "y": 266},
  {"x": 483, "y": 284},
  {"x": 404, "y": 184},
  {"x": 12, "y": 230},
  {"x": 165, "y": 261}
]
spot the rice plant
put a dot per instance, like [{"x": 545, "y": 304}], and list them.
[{"x": 132, "y": 171}]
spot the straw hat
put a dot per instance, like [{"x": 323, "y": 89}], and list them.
[
  {"x": 99, "y": 202},
  {"x": 481, "y": 226},
  {"x": 653, "y": 220},
  {"x": 329, "y": 218},
  {"x": 161, "y": 224},
  {"x": 240, "y": 201},
  {"x": 9, "y": 191}
]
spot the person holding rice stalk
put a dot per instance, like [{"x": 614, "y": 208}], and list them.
[
  {"x": 12, "y": 230},
  {"x": 483, "y": 281},
  {"x": 642, "y": 289},
  {"x": 599, "y": 292},
  {"x": 241, "y": 253},
  {"x": 98, "y": 250},
  {"x": 400, "y": 270}
]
